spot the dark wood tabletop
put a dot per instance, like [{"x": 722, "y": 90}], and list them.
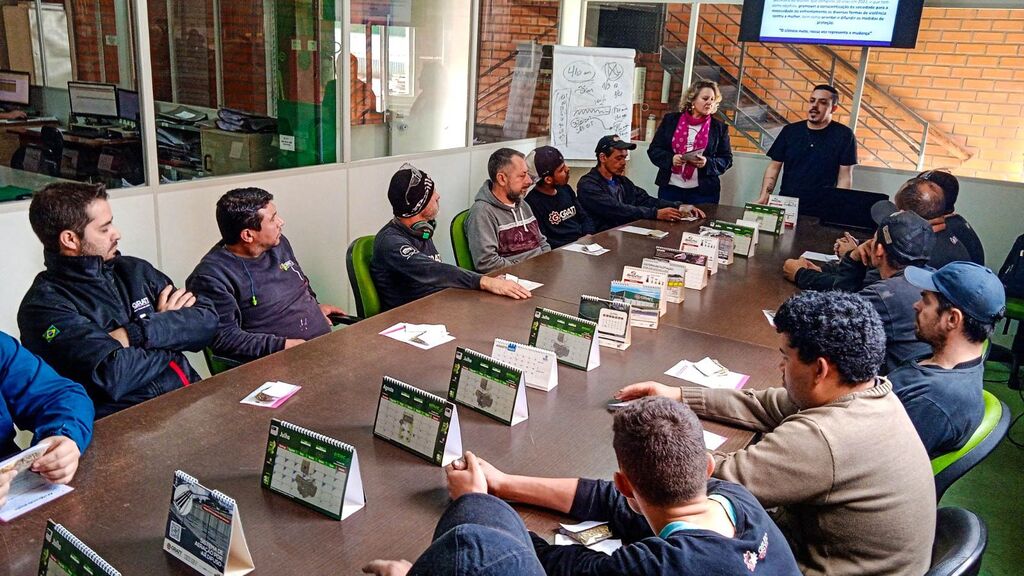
[
  {"x": 729, "y": 306},
  {"x": 122, "y": 490}
]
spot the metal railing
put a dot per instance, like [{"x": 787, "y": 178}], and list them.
[{"x": 914, "y": 146}]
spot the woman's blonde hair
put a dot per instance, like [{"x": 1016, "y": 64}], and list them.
[{"x": 686, "y": 102}]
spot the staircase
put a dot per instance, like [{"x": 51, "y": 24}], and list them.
[{"x": 751, "y": 116}]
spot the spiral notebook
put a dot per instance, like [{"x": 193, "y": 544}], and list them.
[
  {"x": 418, "y": 421},
  {"x": 614, "y": 320},
  {"x": 572, "y": 339},
  {"x": 540, "y": 367},
  {"x": 488, "y": 386},
  {"x": 66, "y": 555},
  {"x": 204, "y": 530},
  {"x": 312, "y": 469}
]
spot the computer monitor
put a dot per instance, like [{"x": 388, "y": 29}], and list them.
[
  {"x": 14, "y": 87},
  {"x": 93, "y": 100},
  {"x": 128, "y": 105}
]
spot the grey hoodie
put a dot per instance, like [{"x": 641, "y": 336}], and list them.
[{"x": 501, "y": 235}]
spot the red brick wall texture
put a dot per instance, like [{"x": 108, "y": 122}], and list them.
[{"x": 965, "y": 78}]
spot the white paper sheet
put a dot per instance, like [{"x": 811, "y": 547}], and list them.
[
  {"x": 271, "y": 394},
  {"x": 819, "y": 256},
  {"x": 528, "y": 284},
  {"x": 589, "y": 249},
  {"x": 659, "y": 234},
  {"x": 425, "y": 336},
  {"x": 28, "y": 492},
  {"x": 712, "y": 441},
  {"x": 770, "y": 315},
  {"x": 685, "y": 370},
  {"x": 582, "y": 525}
]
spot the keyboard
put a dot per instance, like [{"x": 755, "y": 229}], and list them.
[{"x": 31, "y": 120}]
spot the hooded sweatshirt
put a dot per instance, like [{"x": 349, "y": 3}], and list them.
[{"x": 501, "y": 235}]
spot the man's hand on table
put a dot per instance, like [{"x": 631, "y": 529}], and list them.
[
  {"x": 649, "y": 388},
  {"x": 388, "y": 567},
  {"x": 793, "y": 265},
  {"x": 504, "y": 287}
]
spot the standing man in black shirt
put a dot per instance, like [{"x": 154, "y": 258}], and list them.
[
  {"x": 818, "y": 153},
  {"x": 553, "y": 201}
]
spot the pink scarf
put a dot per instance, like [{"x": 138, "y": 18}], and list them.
[{"x": 680, "y": 146}]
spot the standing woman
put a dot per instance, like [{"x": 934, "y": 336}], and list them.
[{"x": 691, "y": 149}]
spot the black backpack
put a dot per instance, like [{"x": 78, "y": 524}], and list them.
[{"x": 1012, "y": 271}]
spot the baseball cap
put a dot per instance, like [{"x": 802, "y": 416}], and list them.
[
  {"x": 907, "y": 233},
  {"x": 409, "y": 191},
  {"x": 612, "y": 141},
  {"x": 972, "y": 288},
  {"x": 543, "y": 162}
]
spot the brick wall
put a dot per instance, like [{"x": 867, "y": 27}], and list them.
[
  {"x": 503, "y": 24},
  {"x": 89, "y": 40},
  {"x": 966, "y": 78}
]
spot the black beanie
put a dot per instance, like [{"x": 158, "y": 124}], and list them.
[{"x": 410, "y": 191}]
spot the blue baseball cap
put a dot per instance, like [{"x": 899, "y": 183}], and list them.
[{"x": 972, "y": 288}]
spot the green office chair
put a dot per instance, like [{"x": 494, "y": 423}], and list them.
[
  {"x": 460, "y": 243},
  {"x": 948, "y": 468},
  {"x": 357, "y": 261},
  {"x": 218, "y": 364}
]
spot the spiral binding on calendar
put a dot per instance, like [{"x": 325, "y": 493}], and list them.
[
  {"x": 315, "y": 435},
  {"x": 413, "y": 389},
  {"x": 513, "y": 346},
  {"x": 485, "y": 357},
  {"x": 224, "y": 499},
  {"x": 568, "y": 317},
  {"x": 185, "y": 477},
  {"x": 93, "y": 557}
]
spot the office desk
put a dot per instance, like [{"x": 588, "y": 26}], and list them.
[
  {"x": 122, "y": 490},
  {"x": 731, "y": 303},
  {"x": 33, "y": 135},
  {"x": 10, "y": 139}
]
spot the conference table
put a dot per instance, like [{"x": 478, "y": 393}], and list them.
[{"x": 123, "y": 487}]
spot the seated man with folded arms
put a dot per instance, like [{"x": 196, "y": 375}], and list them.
[
  {"x": 113, "y": 323},
  {"x": 263, "y": 299},
  {"x": 612, "y": 200},
  {"x": 838, "y": 456},
  {"x": 959, "y": 307},
  {"x": 478, "y": 535},
  {"x": 672, "y": 518},
  {"x": 53, "y": 408},
  {"x": 501, "y": 228},
  {"x": 853, "y": 272},
  {"x": 406, "y": 265},
  {"x": 554, "y": 203}
]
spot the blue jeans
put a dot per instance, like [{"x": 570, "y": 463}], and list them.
[
  {"x": 480, "y": 534},
  {"x": 687, "y": 195}
]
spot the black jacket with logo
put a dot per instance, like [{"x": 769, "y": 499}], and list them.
[
  {"x": 67, "y": 316},
  {"x": 561, "y": 218}
]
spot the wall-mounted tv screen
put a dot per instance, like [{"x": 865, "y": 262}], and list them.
[{"x": 884, "y": 23}]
